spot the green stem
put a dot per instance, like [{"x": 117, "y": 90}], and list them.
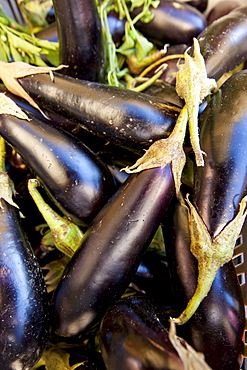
[
  {"x": 2, "y": 154},
  {"x": 66, "y": 235},
  {"x": 148, "y": 82},
  {"x": 160, "y": 61},
  {"x": 207, "y": 271}
]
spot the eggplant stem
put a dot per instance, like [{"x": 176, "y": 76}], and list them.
[
  {"x": 210, "y": 252},
  {"x": 206, "y": 274},
  {"x": 165, "y": 151},
  {"x": 2, "y": 154},
  {"x": 66, "y": 235}
]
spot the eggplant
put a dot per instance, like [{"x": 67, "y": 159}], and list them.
[
  {"x": 174, "y": 22},
  {"x": 220, "y": 9},
  {"x": 217, "y": 327},
  {"x": 80, "y": 38},
  {"x": 111, "y": 250},
  {"x": 198, "y": 4},
  {"x": 24, "y": 329},
  {"x": 24, "y": 313},
  {"x": 223, "y": 43},
  {"x": 126, "y": 118},
  {"x": 132, "y": 337},
  {"x": 77, "y": 181}
]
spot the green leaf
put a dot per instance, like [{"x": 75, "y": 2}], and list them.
[
  {"x": 3, "y": 55},
  {"x": 20, "y": 43},
  {"x": 57, "y": 359},
  {"x": 143, "y": 46}
]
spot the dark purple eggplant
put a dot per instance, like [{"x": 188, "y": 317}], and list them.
[
  {"x": 76, "y": 180},
  {"x": 174, "y": 22},
  {"x": 132, "y": 337},
  {"x": 152, "y": 277},
  {"x": 217, "y": 327},
  {"x": 111, "y": 250},
  {"x": 126, "y": 118},
  {"x": 24, "y": 313},
  {"x": 198, "y": 4},
  {"x": 220, "y": 9},
  {"x": 223, "y": 43},
  {"x": 80, "y": 38}
]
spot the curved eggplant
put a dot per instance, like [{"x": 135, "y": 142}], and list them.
[
  {"x": 174, "y": 22},
  {"x": 111, "y": 250},
  {"x": 80, "y": 38},
  {"x": 217, "y": 327},
  {"x": 76, "y": 180},
  {"x": 127, "y": 118},
  {"x": 223, "y": 43},
  {"x": 132, "y": 337},
  {"x": 24, "y": 314}
]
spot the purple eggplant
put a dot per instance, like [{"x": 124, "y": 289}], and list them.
[
  {"x": 127, "y": 118},
  {"x": 223, "y": 43},
  {"x": 24, "y": 312},
  {"x": 74, "y": 177},
  {"x": 80, "y": 38},
  {"x": 132, "y": 337},
  {"x": 111, "y": 251},
  {"x": 217, "y": 327},
  {"x": 174, "y": 22}
]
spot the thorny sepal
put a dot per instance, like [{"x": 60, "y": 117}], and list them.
[
  {"x": 66, "y": 235},
  {"x": 192, "y": 360},
  {"x": 193, "y": 85},
  {"x": 10, "y": 72},
  {"x": 165, "y": 151},
  {"x": 211, "y": 253},
  {"x": 7, "y": 189},
  {"x": 8, "y": 106}
]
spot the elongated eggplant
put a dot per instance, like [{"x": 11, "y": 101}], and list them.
[
  {"x": 223, "y": 43},
  {"x": 173, "y": 22},
  {"x": 127, "y": 118},
  {"x": 77, "y": 181},
  {"x": 132, "y": 337},
  {"x": 111, "y": 250},
  {"x": 24, "y": 314},
  {"x": 80, "y": 38},
  {"x": 217, "y": 327}
]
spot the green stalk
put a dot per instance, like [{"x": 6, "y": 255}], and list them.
[
  {"x": 211, "y": 253},
  {"x": 66, "y": 235}
]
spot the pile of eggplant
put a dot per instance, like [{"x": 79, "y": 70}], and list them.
[{"x": 121, "y": 297}]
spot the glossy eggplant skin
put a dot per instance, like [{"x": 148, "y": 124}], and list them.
[
  {"x": 132, "y": 337},
  {"x": 24, "y": 314},
  {"x": 80, "y": 38},
  {"x": 198, "y": 4},
  {"x": 76, "y": 180},
  {"x": 223, "y": 43},
  {"x": 111, "y": 251},
  {"x": 217, "y": 327},
  {"x": 174, "y": 22},
  {"x": 126, "y": 118}
]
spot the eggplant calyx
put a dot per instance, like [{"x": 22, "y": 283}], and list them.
[
  {"x": 8, "y": 106},
  {"x": 165, "y": 151},
  {"x": 193, "y": 85},
  {"x": 6, "y": 184},
  {"x": 189, "y": 356},
  {"x": 10, "y": 72},
  {"x": 65, "y": 234},
  {"x": 210, "y": 252}
]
